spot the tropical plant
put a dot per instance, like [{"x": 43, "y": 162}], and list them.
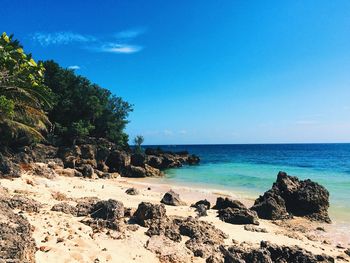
[
  {"x": 23, "y": 95},
  {"x": 83, "y": 108},
  {"x": 138, "y": 141}
]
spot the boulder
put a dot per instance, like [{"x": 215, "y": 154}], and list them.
[
  {"x": 164, "y": 226},
  {"x": 118, "y": 161},
  {"x": 204, "y": 202},
  {"x": 22, "y": 203},
  {"x": 301, "y": 198},
  {"x": 108, "y": 210},
  {"x": 201, "y": 210},
  {"x": 172, "y": 198},
  {"x": 132, "y": 191},
  {"x": 65, "y": 208},
  {"x": 146, "y": 212},
  {"x": 16, "y": 242},
  {"x": 238, "y": 216},
  {"x": 153, "y": 172},
  {"x": 8, "y": 168},
  {"x": 222, "y": 203},
  {"x": 138, "y": 159},
  {"x": 136, "y": 172},
  {"x": 85, "y": 205}
]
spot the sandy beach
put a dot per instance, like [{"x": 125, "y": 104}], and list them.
[{"x": 62, "y": 237}]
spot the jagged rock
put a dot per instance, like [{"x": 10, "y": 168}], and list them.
[
  {"x": 238, "y": 216},
  {"x": 222, "y": 203},
  {"x": 302, "y": 198},
  {"x": 65, "y": 208},
  {"x": 204, "y": 202},
  {"x": 136, "y": 172},
  {"x": 168, "y": 250},
  {"x": 153, "y": 172},
  {"x": 138, "y": 159},
  {"x": 128, "y": 211},
  {"x": 172, "y": 198},
  {"x": 108, "y": 210},
  {"x": 87, "y": 171},
  {"x": 42, "y": 152},
  {"x": 164, "y": 226},
  {"x": 155, "y": 161},
  {"x": 42, "y": 169},
  {"x": 117, "y": 161},
  {"x": 8, "y": 169},
  {"x": 132, "y": 191},
  {"x": 270, "y": 206},
  {"x": 146, "y": 212},
  {"x": 22, "y": 203},
  {"x": 204, "y": 237},
  {"x": 88, "y": 151},
  {"x": 16, "y": 242},
  {"x": 85, "y": 205},
  {"x": 268, "y": 253},
  {"x": 201, "y": 210},
  {"x": 216, "y": 258}
]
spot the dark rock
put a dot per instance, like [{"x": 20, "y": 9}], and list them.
[
  {"x": 204, "y": 237},
  {"x": 238, "y": 216},
  {"x": 16, "y": 242},
  {"x": 8, "y": 168},
  {"x": 201, "y": 210},
  {"x": 347, "y": 252},
  {"x": 204, "y": 202},
  {"x": 268, "y": 253},
  {"x": 172, "y": 198},
  {"x": 88, "y": 151},
  {"x": 87, "y": 170},
  {"x": 166, "y": 227},
  {"x": 65, "y": 208},
  {"x": 128, "y": 211},
  {"x": 136, "y": 172},
  {"x": 132, "y": 191},
  {"x": 108, "y": 210},
  {"x": 193, "y": 159},
  {"x": 22, "y": 203},
  {"x": 302, "y": 198},
  {"x": 270, "y": 206},
  {"x": 85, "y": 205},
  {"x": 118, "y": 161},
  {"x": 222, "y": 203},
  {"x": 155, "y": 161},
  {"x": 146, "y": 212},
  {"x": 138, "y": 159}
]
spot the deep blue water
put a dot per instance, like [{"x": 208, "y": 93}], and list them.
[{"x": 251, "y": 169}]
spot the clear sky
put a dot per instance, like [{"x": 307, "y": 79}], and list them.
[{"x": 204, "y": 71}]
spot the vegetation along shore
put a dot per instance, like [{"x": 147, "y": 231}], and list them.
[{"x": 73, "y": 190}]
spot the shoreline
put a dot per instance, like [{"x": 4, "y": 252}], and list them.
[{"x": 80, "y": 246}]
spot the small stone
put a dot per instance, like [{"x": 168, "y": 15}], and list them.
[
  {"x": 60, "y": 239},
  {"x": 44, "y": 249}
]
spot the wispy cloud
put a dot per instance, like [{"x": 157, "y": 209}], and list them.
[
  {"x": 74, "y": 67},
  {"x": 119, "y": 48},
  {"x": 118, "y": 43},
  {"x": 131, "y": 33},
  {"x": 61, "y": 38}
]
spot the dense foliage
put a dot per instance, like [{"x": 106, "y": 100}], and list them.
[
  {"x": 23, "y": 95},
  {"x": 84, "y": 109},
  {"x": 35, "y": 97}
]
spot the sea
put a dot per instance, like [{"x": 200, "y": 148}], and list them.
[{"x": 248, "y": 170}]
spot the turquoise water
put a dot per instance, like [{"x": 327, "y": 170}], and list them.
[{"x": 249, "y": 170}]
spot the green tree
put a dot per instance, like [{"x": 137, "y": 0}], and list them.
[
  {"x": 23, "y": 95},
  {"x": 83, "y": 108},
  {"x": 138, "y": 141}
]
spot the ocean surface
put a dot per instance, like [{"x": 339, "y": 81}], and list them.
[{"x": 249, "y": 170}]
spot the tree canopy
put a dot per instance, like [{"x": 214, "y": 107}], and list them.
[
  {"x": 84, "y": 109},
  {"x": 37, "y": 96},
  {"x": 23, "y": 95}
]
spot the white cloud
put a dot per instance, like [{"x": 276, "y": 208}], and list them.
[
  {"x": 74, "y": 67},
  {"x": 119, "y": 48},
  {"x": 60, "y": 38}
]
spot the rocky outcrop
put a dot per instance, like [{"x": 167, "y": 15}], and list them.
[
  {"x": 222, "y": 203},
  {"x": 22, "y": 203},
  {"x": 268, "y": 253},
  {"x": 108, "y": 210},
  {"x": 132, "y": 191},
  {"x": 296, "y": 197},
  {"x": 8, "y": 169},
  {"x": 65, "y": 208},
  {"x": 172, "y": 198},
  {"x": 238, "y": 216},
  {"x": 204, "y": 202},
  {"x": 16, "y": 242},
  {"x": 147, "y": 212}
]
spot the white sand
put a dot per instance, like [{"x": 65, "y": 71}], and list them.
[{"x": 80, "y": 245}]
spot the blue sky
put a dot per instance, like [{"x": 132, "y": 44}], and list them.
[{"x": 204, "y": 71}]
